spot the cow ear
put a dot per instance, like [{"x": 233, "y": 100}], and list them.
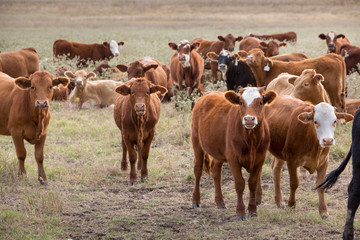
[
  {"x": 282, "y": 44},
  {"x": 346, "y": 116},
  {"x": 123, "y": 90},
  {"x": 147, "y": 68},
  {"x": 90, "y": 75},
  {"x": 318, "y": 78},
  {"x": 221, "y": 38},
  {"x": 340, "y": 36},
  {"x": 195, "y": 46},
  {"x": 173, "y": 46},
  {"x": 306, "y": 117},
  {"x": 69, "y": 74},
  {"x": 122, "y": 67},
  {"x": 322, "y": 36},
  {"x": 242, "y": 54},
  {"x": 23, "y": 82},
  {"x": 269, "y": 97},
  {"x": 232, "y": 97},
  {"x": 121, "y": 43},
  {"x": 212, "y": 56},
  {"x": 61, "y": 80},
  {"x": 239, "y": 38},
  {"x": 158, "y": 88},
  {"x": 292, "y": 80},
  {"x": 106, "y": 43},
  {"x": 263, "y": 44}
]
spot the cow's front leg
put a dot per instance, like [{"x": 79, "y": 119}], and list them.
[
  {"x": 216, "y": 174},
  {"x": 239, "y": 188},
  {"x": 20, "y": 152},
  {"x": 321, "y": 174},
  {"x": 132, "y": 160},
  {"x": 294, "y": 184},
  {"x": 254, "y": 184},
  {"x": 145, "y": 154},
  {"x": 39, "y": 156}
]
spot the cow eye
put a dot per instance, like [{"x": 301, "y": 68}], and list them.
[
  {"x": 50, "y": 87},
  {"x": 148, "y": 93},
  {"x": 258, "y": 55},
  {"x": 32, "y": 88},
  {"x": 306, "y": 84},
  {"x": 261, "y": 103},
  {"x": 132, "y": 93},
  {"x": 315, "y": 122}
]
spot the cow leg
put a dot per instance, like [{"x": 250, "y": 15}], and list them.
[
  {"x": 277, "y": 165},
  {"x": 352, "y": 206},
  {"x": 145, "y": 154},
  {"x": 259, "y": 190},
  {"x": 239, "y": 187},
  {"x": 132, "y": 160},
  {"x": 198, "y": 168},
  {"x": 124, "y": 153},
  {"x": 294, "y": 184},
  {"x": 321, "y": 173},
  {"x": 20, "y": 153},
  {"x": 39, "y": 156},
  {"x": 216, "y": 174},
  {"x": 254, "y": 183}
]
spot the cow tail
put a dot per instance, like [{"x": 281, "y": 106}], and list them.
[
  {"x": 333, "y": 176},
  {"x": 344, "y": 90},
  {"x": 207, "y": 164}
]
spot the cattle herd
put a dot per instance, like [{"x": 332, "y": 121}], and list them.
[{"x": 290, "y": 108}]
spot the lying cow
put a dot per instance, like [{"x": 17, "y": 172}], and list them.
[
  {"x": 290, "y": 57},
  {"x": 331, "y": 66},
  {"x": 19, "y": 63},
  {"x": 352, "y": 57},
  {"x": 100, "y": 93},
  {"x": 301, "y": 135},
  {"x": 288, "y": 36},
  {"x": 236, "y": 73},
  {"x": 86, "y": 51},
  {"x": 150, "y": 69},
  {"x": 334, "y": 41},
  {"x": 136, "y": 113},
  {"x": 354, "y": 186},
  {"x": 231, "y": 128},
  {"x": 25, "y": 113},
  {"x": 270, "y": 49}
]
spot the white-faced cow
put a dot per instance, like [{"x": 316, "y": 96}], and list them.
[{"x": 334, "y": 41}]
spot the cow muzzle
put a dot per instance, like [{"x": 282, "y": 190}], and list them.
[
  {"x": 231, "y": 49},
  {"x": 222, "y": 67},
  {"x": 79, "y": 83},
  {"x": 331, "y": 46},
  {"x": 249, "y": 122},
  {"x": 249, "y": 59},
  {"x": 327, "y": 142},
  {"x": 140, "y": 109},
  {"x": 41, "y": 104}
]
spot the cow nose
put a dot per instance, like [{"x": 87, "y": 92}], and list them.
[
  {"x": 140, "y": 108},
  {"x": 41, "y": 104},
  {"x": 117, "y": 54},
  {"x": 249, "y": 122},
  {"x": 181, "y": 58},
  {"x": 328, "y": 141},
  {"x": 331, "y": 45},
  {"x": 78, "y": 83},
  {"x": 231, "y": 49},
  {"x": 222, "y": 66},
  {"x": 249, "y": 58}
]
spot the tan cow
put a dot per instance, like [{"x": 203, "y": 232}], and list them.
[
  {"x": 136, "y": 113},
  {"x": 19, "y": 63},
  {"x": 331, "y": 66},
  {"x": 288, "y": 36},
  {"x": 270, "y": 49},
  {"x": 100, "y": 93},
  {"x": 25, "y": 113},
  {"x": 334, "y": 41}
]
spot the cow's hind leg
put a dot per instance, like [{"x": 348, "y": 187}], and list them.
[
  {"x": 216, "y": 173},
  {"x": 294, "y": 184},
  {"x": 277, "y": 166},
  {"x": 198, "y": 168},
  {"x": 353, "y": 204},
  {"x": 124, "y": 154}
]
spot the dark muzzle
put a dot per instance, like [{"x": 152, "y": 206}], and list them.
[
  {"x": 140, "y": 108},
  {"x": 41, "y": 104}
]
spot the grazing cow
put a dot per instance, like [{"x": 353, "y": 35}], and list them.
[
  {"x": 352, "y": 105},
  {"x": 206, "y": 46},
  {"x": 301, "y": 135},
  {"x": 25, "y": 113},
  {"x": 354, "y": 186},
  {"x": 100, "y": 93},
  {"x": 232, "y": 129},
  {"x": 19, "y": 63},
  {"x": 236, "y": 73},
  {"x": 331, "y": 66},
  {"x": 136, "y": 113},
  {"x": 307, "y": 87},
  {"x": 288, "y": 36},
  {"x": 152, "y": 70},
  {"x": 85, "y": 52},
  {"x": 334, "y": 41},
  {"x": 270, "y": 49},
  {"x": 352, "y": 57},
  {"x": 290, "y": 57},
  {"x": 186, "y": 66}
]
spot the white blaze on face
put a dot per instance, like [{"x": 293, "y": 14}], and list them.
[
  {"x": 114, "y": 48},
  {"x": 186, "y": 45},
  {"x": 249, "y": 95},
  {"x": 332, "y": 36},
  {"x": 324, "y": 119}
]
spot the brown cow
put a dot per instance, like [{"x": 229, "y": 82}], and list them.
[
  {"x": 19, "y": 63},
  {"x": 307, "y": 87},
  {"x": 352, "y": 105},
  {"x": 62, "y": 93},
  {"x": 270, "y": 49},
  {"x": 232, "y": 129},
  {"x": 136, "y": 114},
  {"x": 186, "y": 66},
  {"x": 150, "y": 69},
  {"x": 290, "y": 57},
  {"x": 206, "y": 46},
  {"x": 85, "y": 52},
  {"x": 334, "y": 41},
  {"x": 351, "y": 54},
  {"x": 288, "y": 36},
  {"x": 25, "y": 113},
  {"x": 331, "y": 66},
  {"x": 301, "y": 135}
]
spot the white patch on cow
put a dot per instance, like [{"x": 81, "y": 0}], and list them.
[
  {"x": 194, "y": 85},
  {"x": 250, "y": 94},
  {"x": 114, "y": 48},
  {"x": 184, "y": 42},
  {"x": 332, "y": 35},
  {"x": 183, "y": 83},
  {"x": 186, "y": 63},
  {"x": 224, "y": 53},
  {"x": 325, "y": 116},
  {"x": 223, "y": 73}
]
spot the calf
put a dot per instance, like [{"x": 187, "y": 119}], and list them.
[
  {"x": 100, "y": 93},
  {"x": 235, "y": 73},
  {"x": 231, "y": 128},
  {"x": 288, "y": 36},
  {"x": 61, "y": 93},
  {"x": 206, "y": 46},
  {"x": 352, "y": 57},
  {"x": 25, "y": 113},
  {"x": 270, "y": 49},
  {"x": 136, "y": 113},
  {"x": 354, "y": 186},
  {"x": 301, "y": 135},
  {"x": 334, "y": 41},
  {"x": 186, "y": 66},
  {"x": 290, "y": 57},
  {"x": 19, "y": 63},
  {"x": 331, "y": 66}
]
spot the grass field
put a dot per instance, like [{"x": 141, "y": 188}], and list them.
[{"x": 88, "y": 196}]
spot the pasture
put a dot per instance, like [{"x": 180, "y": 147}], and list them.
[{"x": 88, "y": 197}]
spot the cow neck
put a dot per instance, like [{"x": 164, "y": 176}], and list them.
[
  {"x": 79, "y": 93},
  {"x": 260, "y": 75}
]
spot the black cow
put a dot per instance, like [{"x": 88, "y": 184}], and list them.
[
  {"x": 234, "y": 72},
  {"x": 354, "y": 186}
]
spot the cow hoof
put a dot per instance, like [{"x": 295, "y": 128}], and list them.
[
  {"x": 252, "y": 215},
  {"x": 258, "y": 202},
  {"x": 196, "y": 205},
  {"x": 42, "y": 181},
  {"x": 131, "y": 183},
  {"x": 324, "y": 217},
  {"x": 282, "y": 206},
  {"x": 241, "y": 218},
  {"x": 222, "y": 207},
  {"x": 142, "y": 180}
]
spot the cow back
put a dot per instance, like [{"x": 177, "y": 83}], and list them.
[{"x": 20, "y": 63}]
